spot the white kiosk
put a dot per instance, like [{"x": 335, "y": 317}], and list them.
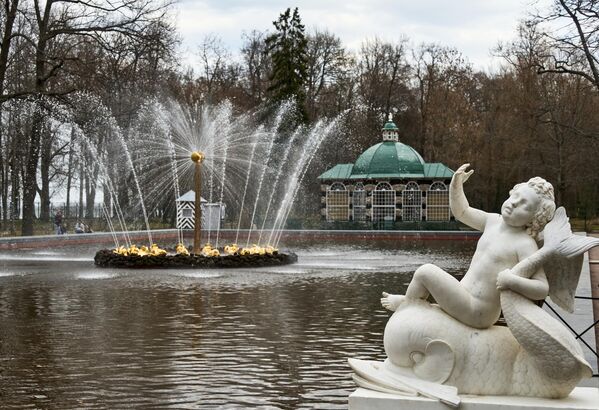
[{"x": 212, "y": 213}]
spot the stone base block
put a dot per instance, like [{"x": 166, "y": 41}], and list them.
[{"x": 582, "y": 398}]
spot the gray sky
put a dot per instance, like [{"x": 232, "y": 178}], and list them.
[{"x": 474, "y": 27}]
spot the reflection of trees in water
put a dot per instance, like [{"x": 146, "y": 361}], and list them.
[{"x": 339, "y": 242}]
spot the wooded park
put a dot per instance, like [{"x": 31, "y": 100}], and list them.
[{"x": 77, "y": 78}]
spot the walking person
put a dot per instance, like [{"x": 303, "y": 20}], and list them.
[{"x": 58, "y": 222}]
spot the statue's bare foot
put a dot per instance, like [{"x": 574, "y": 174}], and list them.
[{"x": 392, "y": 302}]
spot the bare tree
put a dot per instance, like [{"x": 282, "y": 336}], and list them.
[
  {"x": 441, "y": 75},
  {"x": 61, "y": 25},
  {"x": 214, "y": 58},
  {"x": 327, "y": 61},
  {"x": 256, "y": 65},
  {"x": 574, "y": 38},
  {"x": 383, "y": 76}
]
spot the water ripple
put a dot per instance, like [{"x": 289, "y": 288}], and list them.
[
  {"x": 276, "y": 338},
  {"x": 95, "y": 275}
]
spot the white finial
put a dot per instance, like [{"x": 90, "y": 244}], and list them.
[{"x": 390, "y": 117}]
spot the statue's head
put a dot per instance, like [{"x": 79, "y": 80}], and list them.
[{"x": 531, "y": 204}]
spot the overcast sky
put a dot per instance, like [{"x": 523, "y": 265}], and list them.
[{"x": 474, "y": 27}]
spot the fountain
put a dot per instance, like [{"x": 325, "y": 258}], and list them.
[
  {"x": 208, "y": 257},
  {"x": 225, "y": 150},
  {"x": 201, "y": 257}
]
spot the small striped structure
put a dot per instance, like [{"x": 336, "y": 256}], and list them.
[{"x": 212, "y": 213}]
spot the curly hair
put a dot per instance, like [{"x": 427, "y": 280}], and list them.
[{"x": 546, "y": 208}]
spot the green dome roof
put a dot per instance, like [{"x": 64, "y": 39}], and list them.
[
  {"x": 390, "y": 125},
  {"x": 389, "y": 157}
]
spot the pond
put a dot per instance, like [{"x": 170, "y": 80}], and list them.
[{"x": 76, "y": 336}]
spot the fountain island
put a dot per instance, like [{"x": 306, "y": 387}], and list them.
[{"x": 231, "y": 256}]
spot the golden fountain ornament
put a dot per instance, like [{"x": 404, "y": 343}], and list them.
[
  {"x": 231, "y": 249},
  {"x": 259, "y": 250},
  {"x": 209, "y": 251},
  {"x": 121, "y": 250},
  {"x": 156, "y": 251},
  {"x": 182, "y": 250},
  {"x": 197, "y": 156}
]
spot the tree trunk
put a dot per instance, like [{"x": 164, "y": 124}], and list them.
[
  {"x": 423, "y": 119},
  {"x": 5, "y": 185},
  {"x": 46, "y": 162},
  {"x": 10, "y": 16},
  {"x": 70, "y": 174},
  {"x": 81, "y": 189},
  {"x": 3, "y": 181},
  {"x": 5, "y": 188},
  {"x": 11, "y": 13},
  {"x": 90, "y": 196},
  {"x": 14, "y": 196},
  {"x": 107, "y": 201},
  {"x": 30, "y": 179},
  {"x": 561, "y": 186}
]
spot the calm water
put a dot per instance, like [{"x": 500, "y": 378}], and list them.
[{"x": 73, "y": 336}]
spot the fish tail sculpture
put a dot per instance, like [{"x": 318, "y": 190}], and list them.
[{"x": 552, "y": 347}]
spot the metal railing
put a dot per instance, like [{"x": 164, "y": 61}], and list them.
[{"x": 579, "y": 335}]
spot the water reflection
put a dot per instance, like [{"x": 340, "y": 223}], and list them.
[{"x": 277, "y": 337}]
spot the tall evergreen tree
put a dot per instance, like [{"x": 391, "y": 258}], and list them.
[{"x": 288, "y": 50}]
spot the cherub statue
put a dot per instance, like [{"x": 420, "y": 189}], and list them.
[
  {"x": 506, "y": 240},
  {"x": 452, "y": 347}
]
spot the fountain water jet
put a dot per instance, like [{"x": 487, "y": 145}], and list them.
[
  {"x": 225, "y": 142},
  {"x": 278, "y": 120},
  {"x": 245, "y": 187},
  {"x": 141, "y": 201},
  {"x": 276, "y": 181}
]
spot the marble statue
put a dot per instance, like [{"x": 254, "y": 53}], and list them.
[{"x": 452, "y": 347}]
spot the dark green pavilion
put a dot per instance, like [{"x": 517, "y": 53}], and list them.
[{"x": 390, "y": 183}]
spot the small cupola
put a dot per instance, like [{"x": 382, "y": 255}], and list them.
[{"x": 390, "y": 131}]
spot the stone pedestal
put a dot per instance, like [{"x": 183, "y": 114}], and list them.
[{"x": 582, "y": 398}]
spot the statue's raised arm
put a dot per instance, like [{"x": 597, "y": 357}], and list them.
[{"x": 463, "y": 212}]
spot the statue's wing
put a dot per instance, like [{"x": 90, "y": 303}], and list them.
[
  {"x": 563, "y": 275},
  {"x": 564, "y": 265}
]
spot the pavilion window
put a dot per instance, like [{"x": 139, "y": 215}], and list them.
[
  {"x": 411, "y": 201},
  {"x": 337, "y": 201},
  {"x": 359, "y": 202},
  {"x": 437, "y": 202},
  {"x": 383, "y": 203}
]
